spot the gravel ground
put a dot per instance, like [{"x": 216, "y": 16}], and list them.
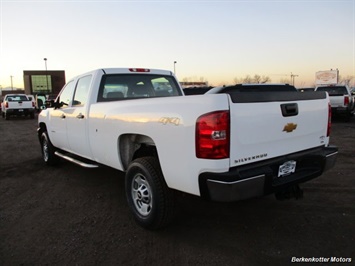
[{"x": 67, "y": 215}]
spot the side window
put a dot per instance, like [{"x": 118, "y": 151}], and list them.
[
  {"x": 66, "y": 95},
  {"x": 82, "y": 91}
]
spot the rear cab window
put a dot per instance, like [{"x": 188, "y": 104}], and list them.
[
  {"x": 115, "y": 87},
  {"x": 334, "y": 90},
  {"x": 17, "y": 98}
]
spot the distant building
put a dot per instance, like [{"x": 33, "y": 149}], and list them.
[{"x": 48, "y": 82}]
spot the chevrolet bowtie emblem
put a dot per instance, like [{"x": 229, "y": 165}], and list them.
[{"x": 290, "y": 127}]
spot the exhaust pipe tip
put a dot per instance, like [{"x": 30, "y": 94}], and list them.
[{"x": 289, "y": 193}]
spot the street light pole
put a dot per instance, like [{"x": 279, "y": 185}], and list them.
[
  {"x": 45, "y": 62},
  {"x": 174, "y": 67}
]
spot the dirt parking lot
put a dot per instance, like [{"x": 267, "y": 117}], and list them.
[{"x": 67, "y": 215}]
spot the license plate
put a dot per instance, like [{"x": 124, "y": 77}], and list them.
[
  {"x": 287, "y": 168},
  {"x": 20, "y": 110}
]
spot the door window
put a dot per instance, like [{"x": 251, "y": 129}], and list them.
[
  {"x": 66, "y": 95},
  {"x": 82, "y": 91}
]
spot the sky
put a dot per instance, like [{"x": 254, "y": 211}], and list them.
[{"x": 214, "y": 41}]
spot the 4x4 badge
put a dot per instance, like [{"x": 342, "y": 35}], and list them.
[
  {"x": 170, "y": 120},
  {"x": 289, "y": 127}
]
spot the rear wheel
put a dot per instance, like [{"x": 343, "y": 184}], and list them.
[
  {"x": 48, "y": 150},
  {"x": 149, "y": 198}
]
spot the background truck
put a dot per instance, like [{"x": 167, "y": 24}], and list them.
[
  {"x": 341, "y": 99},
  {"x": 17, "y": 105},
  {"x": 224, "y": 146}
]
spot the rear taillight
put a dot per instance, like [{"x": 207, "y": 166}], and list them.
[
  {"x": 346, "y": 100},
  {"x": 33, "y": 104},
  {"x": 6, "y": 104},
  {"x": 329, "y": 119},
  {"x": 212, "y": 135}
]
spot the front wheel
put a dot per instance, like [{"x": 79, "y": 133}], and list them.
[
  {"x": 48, "y": 150},
  {"x": 149, "y": 198}
]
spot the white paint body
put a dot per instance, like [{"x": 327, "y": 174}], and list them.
[{"x": 169, "y": 122}]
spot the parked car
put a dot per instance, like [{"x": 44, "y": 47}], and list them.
[
  {"x": 341, "y": 99},
  {"x": 17, "y": 105}
]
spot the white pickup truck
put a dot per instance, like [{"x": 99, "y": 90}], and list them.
[
  {"x": 17, "y": 105},
  {"x": 227, "y": 145},
  {"x": 341, "y": 99}
]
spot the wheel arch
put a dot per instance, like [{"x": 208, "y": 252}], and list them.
[
  {"x": 133, "y": 146},
  {"x": 41, "y": 128}
]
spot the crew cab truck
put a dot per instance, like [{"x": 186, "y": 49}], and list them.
[
  {"x": 341, "y": 99},
  {"x": 224, "y": 146},
  {"x": 17, "y": 105}
]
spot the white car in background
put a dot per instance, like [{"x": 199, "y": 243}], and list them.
[{"x": 341, "y": 99}]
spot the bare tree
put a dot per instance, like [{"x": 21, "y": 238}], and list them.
[
  {"x": 265, "y": 79},
  {"x": 255, "y": 79},
  {"x": 346, "y": 80}
]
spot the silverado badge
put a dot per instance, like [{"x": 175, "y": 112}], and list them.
[{"x": 289, "y": 127}]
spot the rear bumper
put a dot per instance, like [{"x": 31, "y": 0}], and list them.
[
  {"x": 258, "y": 179},
  {"x": 20, "y": 111},
  {"x": 341, "y": 110}
]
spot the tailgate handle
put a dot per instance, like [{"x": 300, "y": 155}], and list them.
[{"x": 289, "y": 109}]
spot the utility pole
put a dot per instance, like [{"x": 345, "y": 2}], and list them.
[
  {"x": 293, "y": 78},
  {"x": 12, "y": 87},
  {"x": 174, "y": 67}
]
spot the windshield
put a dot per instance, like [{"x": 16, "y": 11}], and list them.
[{"x": 132, "y": 86}]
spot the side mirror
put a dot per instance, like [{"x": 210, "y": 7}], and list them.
[{"x": 51, "y": 104}]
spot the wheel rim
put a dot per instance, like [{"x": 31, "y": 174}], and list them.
[
  {"x": 45, "y": 150},
  {"x": 141, "y": 195}
]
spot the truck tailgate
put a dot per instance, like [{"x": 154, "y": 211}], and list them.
[
  {"x": 337, "y": 101},
  {"x": 271, "y": 124}
]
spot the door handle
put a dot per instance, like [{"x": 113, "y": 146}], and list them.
[
  {"x": 62, "y": 116},
  {"x": 80, "y": 116}
]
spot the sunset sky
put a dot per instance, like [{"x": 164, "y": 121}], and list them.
[{"x": 214, "y": 41}]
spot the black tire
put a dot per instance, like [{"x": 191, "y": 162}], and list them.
[
  {"x": 32, "y": 115},
  {"x": 149, "y": 198},
  {"x": 48, "y": 150},
  {"x": 7, "y": 116}
]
